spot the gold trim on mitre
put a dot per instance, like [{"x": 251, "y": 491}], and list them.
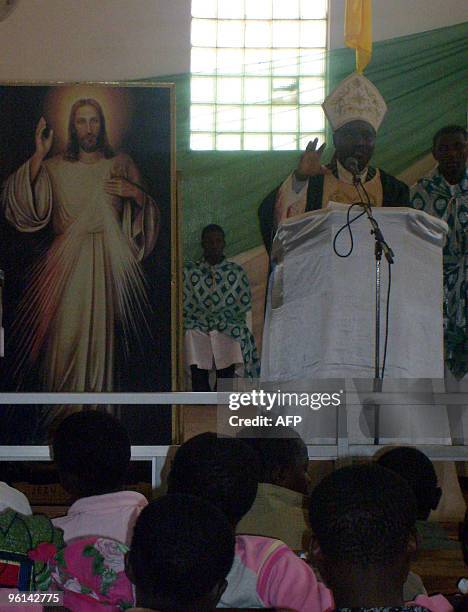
[{"x": 355, "y": 99}]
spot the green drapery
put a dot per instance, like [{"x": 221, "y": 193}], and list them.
[{"x": 424, "y": 79}]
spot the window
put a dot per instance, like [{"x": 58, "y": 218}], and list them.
[{"x": 257, "y": 77}]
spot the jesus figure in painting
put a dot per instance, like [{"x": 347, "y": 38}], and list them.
[{"x": 104, "y": 224}]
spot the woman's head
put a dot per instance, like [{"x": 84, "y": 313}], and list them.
[
  {"x": 181, "y": 552},
  {"x": 92, "y": 453},
  {"x": 363, "y": 520},
  {"x": 224, "y": 471}
]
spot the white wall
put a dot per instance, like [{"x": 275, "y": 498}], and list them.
[
  {"x": 392, "y": 18},
  {"x": 95, "y": 39},
  {"x": 128, "y": 39}
]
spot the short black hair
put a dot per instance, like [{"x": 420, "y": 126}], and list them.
[
  {"x": 448, "y": 129},
  {"x": 182, "y": 547},
  {"x": 212, "y": 227},
  {"x": 224, "y": 471},
  {"x": 277, "y": 447},
  {"x": 363, "y": 515},
  {"x": 94, "y": 448},
  {"x": 417, "y": 469}
]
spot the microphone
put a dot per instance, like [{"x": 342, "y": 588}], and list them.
[{"x": 351, "y": 165}]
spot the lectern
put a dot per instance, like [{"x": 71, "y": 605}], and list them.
[{"x": 320, "y": 318}]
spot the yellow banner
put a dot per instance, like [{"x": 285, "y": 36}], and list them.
[{"x": 358, "y": 30}]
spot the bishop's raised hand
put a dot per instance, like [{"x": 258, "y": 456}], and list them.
[{"x": 310, "y": 163}]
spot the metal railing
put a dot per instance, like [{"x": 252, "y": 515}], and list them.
[{"x": 341, "y": 449}]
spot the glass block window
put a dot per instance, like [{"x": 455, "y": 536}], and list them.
[{"x": 257, "y": 74}]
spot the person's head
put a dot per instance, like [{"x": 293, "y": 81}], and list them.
[
  {"x": 355, "y": 139},
  {"x": 223, "y": 471},
  {"x": 283, "y": 456},
  {"x": 181, "y": 552},
  {"x": 87, "y": 130},
  {"x": 213, "y": 243},
  {"x": 450, "y": 149},
  {"x": 363, "y": 519},
  {"x": 92, "y": 453},
  {"x": 417, "y": 469}
]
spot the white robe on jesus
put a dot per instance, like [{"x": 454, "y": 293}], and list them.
[{"x": 89, "y": 277}]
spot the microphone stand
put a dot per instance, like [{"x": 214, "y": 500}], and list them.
[{"x": 381, "y": 246}]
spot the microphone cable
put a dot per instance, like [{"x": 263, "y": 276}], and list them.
[
  {"x": 387, "y": 313},
  {"x": 387, "y": 308},
  {"x": 347, "y": 225}
]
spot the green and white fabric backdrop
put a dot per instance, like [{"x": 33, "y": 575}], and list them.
[{"x": 424, "y": 79}]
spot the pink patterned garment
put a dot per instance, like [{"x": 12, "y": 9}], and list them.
[{"x": 91, "y": 573}]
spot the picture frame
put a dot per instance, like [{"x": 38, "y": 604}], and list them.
[{"x": 127, "y": 312}]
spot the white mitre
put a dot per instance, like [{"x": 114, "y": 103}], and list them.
[{"x": 355, "y": 99}]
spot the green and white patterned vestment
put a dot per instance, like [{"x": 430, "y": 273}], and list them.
[
  {"x": 450, "y": 202},
  {"x": 217, "y": 298}
]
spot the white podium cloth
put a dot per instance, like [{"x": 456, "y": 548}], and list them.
[{"x": 320, "y": 319}]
